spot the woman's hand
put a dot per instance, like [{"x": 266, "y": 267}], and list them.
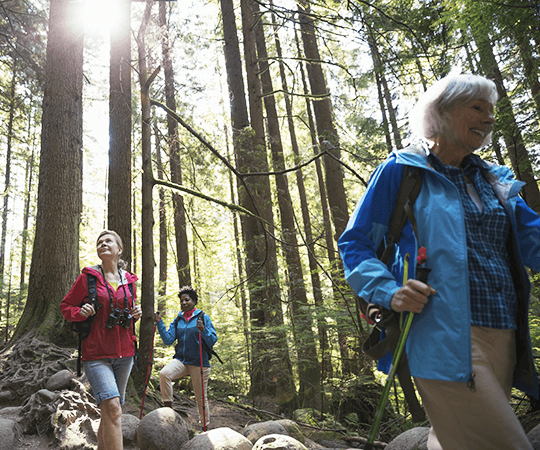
[
  {"x": 200, "y": 324},
  {"x": 87, "y": 310},
  {"x": 412, "y": 296},
  {"x": 157, "y": 316},
  {"x": 136, "y": 312}
]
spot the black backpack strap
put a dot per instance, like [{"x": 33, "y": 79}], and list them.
[
  {"x": 374, "y": 347},
  {"x": 206, "y": 347}
]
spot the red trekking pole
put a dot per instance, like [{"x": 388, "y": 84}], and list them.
[
  {"x": 148, "y": 369},
  {"x": 202, "y": 385}
]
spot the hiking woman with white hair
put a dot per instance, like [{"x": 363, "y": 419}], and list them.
[{"x": 469, "y": 341}]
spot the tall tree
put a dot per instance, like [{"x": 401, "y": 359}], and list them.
[
  {"x": 55, "y": 255},
  {"x": 120, "y": 190},
  {"x": 326, "y": 367},
  {"x": 328, "y": 140},
  {"x": 146, "y": 296},
  {"x": 182, "y": 246},
  {"x": 254, "y": 194},
  {"x": 309, "y": 374}
]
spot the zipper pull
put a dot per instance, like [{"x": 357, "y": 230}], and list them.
[{"x": 470, "y": 384}]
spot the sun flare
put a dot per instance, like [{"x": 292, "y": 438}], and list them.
[{"x": 99, "y": 17}]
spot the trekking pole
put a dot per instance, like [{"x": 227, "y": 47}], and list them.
[
  {"x": 148, "y": 369},
  {"x": 421, "y": 275},
  {"x": 202, "y": 385}
]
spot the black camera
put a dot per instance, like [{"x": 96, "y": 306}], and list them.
[
  {"x": 125, "y": 319},
  {"x": 113, "y": 318}
]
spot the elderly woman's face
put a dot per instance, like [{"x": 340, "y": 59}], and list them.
[{"x": 470, "y": 123}]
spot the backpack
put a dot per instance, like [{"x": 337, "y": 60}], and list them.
[
  {"x": 209, "y": 351},
  {"x": 83, "y": 328},
  {"x": 376, "y": 345}
]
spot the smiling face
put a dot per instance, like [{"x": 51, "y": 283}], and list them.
[
  {"x": 108, "y": 248},
  {"x": 470, "y": 125},
  {"x": 186, "y": 302}
]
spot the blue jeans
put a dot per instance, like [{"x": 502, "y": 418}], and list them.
[{"x": 108, "y": 377}]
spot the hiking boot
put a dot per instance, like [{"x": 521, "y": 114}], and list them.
[{"x": 167, "y": 404}]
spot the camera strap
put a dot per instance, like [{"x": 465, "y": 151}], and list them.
[{"x": 109, "y": 292}]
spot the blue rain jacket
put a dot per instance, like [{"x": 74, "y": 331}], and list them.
[
  {"x": 439, "y": 343},
  {"x": 187, "y": 334}
]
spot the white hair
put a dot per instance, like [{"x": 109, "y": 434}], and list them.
[{"x": 428, "y": 119}]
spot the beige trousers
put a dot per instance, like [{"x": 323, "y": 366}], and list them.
[
  {"x": 481, "y": 419},
  {"x": 177, "y": 369}
]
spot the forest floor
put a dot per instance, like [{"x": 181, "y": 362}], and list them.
[{"x": 223, "y": 414}]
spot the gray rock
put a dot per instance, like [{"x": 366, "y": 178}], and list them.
[
  {"x": 278, "y": 442},
  {"x": 292, "y": 429},
  {"x": 60, "y": 380},
  {"x": 255, "y": 431},
  {"x": 7, "y": 396},
  {"x": 219, "y": 439},
  {"x": 44, "y": 396},
  {"x": 534, "y": 437},
  {"x": 415, "y": 438},
  {"x": 129, "y": 428},
  {"x": 10, "y": 411},
  {"x": 162, "y": 429},
  {"x": 7, "y": 434}
]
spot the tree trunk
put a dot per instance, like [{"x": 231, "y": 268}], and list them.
[
  {"x": 119, "y": 200},
  {"x": 309, "y": 374},
  {"x": 7, "y": 182},
  {"x": 182, "y": 246},
  {"x": 326, "y": 367},
  {"x": 254, "y": 194},
  {"x": 328, "y": 141},
  {"x": 146, "y": 297},
  {"x": 519, "y": 157},
  {"x": 162, "y": 287},
  {"x": 55, "y": 255}
]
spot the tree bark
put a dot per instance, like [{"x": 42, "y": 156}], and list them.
[
  {"x": 309, "y": 375},
  {"x": 119, "y": 200},
  {"x": 519, "y": 157},
  {"x": 182, "y": 246},
  {"x": 55, "y": 255},
  {"x": 146, "y": 297},
  {"x": 329, "y": 141},
  {"x": 326, "y": 366}
]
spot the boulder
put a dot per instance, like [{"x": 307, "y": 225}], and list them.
[
  {"x": 255, "y": 431},
  {"x": 534, "y": 437},
  {"x": 292, "y": 429},
  {"x": 413, "y": 439},
  {"x": 219, "y": 439},
  {"x": 162, "y": 429},
  {"x": 129, "y": 428},
  {"x": 8, "y": 434},
  {"x": 278, "y": 442},
  {"x": 60, "y": 380},
  {"x": 7, "y": 396}
]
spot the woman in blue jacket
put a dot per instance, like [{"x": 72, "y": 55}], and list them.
[
  {"x": 469, "y": 342},
  {"x": 185, "y": 330}
]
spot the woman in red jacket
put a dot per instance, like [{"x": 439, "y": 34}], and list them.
[{"x": 108, "y": 351}]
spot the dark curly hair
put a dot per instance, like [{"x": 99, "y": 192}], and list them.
[{"x": 189, "y": 291}]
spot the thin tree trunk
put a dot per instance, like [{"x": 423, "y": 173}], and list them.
[
  {"x": 119, "y": 200},
  {"x": 309, "y": 375},
  {"x": 271, "y": 345},
  {"x": 147, "y": 223},
  {"x": 7, "y": 182},
  {"x": 162, "y": 287},
  {"x": 326, "y": 366},
  {"x": 328, "y": 141},
  {"x": 182, "y": 247}
]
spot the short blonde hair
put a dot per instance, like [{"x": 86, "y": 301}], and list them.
[
  {"x": 427, "y": 118},
  {"x": 121, "y": 263}
]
